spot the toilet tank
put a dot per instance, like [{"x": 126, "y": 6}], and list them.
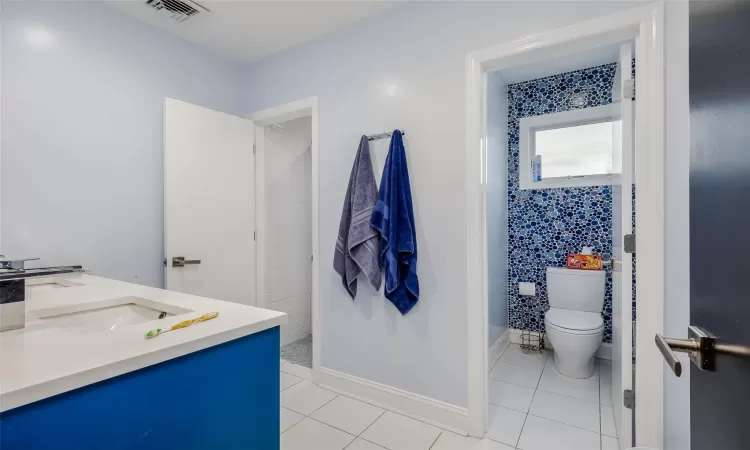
[{"x": 579, "y": 290}]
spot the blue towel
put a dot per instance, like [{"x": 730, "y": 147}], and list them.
[{"x": 393, "y": 217}]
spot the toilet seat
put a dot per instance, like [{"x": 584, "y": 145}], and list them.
[{"x": 574, "y": 322}]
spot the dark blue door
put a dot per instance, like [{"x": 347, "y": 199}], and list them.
[{"x": 720, "y": 218}]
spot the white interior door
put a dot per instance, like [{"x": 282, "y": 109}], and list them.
[
  {"x": 622, "y": 272},
  {"x": 209, "y": 203}
]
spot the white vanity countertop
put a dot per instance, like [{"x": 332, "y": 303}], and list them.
[{"x": 41, "y": 361}]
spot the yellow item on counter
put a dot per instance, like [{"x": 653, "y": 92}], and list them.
[{"x": 183, "y": 324}]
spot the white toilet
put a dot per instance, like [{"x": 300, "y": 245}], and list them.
[{"x": 574, "y": 322}]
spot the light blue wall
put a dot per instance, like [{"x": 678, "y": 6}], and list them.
[
  {"x": 497, "y": 210},
  {"x": 82, "y": 159},
  {"x": 421, "y": 49}
]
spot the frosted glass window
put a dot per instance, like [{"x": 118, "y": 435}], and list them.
[{"x": 576, "y": 150}]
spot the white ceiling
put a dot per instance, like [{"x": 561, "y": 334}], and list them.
[{"x": 247, "y": 31}]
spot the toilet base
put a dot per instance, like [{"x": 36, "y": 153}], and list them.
[
  {"x": 574, "y": 352},
  {"x": 575, "y": 370}
]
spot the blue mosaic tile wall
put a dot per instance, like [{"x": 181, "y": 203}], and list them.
[{"x": 545, "y": 225}]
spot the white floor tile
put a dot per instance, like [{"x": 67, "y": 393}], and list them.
[
  {"x": 609, "y": 443},
  {"x": 312, "y": 435},
  {"x": 605, "y": 371},
  {"x": 361, "y": 444},
  {"x": 519, "y": 375},
  {"x": 567, "y": 410},
  {"x": 304, "y": 397},
  {"x": 505, "y": 425},
  {"x": 510, "y": 395},
  {"x": 396, "y": 432},
  {"x": 543, "y": 434},
  {"x": 608, "y": 421},
  {"x": 606, "y": 394},
  {"x": 452, "y": 441},
  {"x": 596, "y": 376},
  {"x": 289, "y": 418},
  {"x": 288, "y": 380},
  {"x": 348, "y": 414},
  {"x": 553, "y": 381},
  {"x": 514, "y": 355},
  {"x": 597, "y": 371}
]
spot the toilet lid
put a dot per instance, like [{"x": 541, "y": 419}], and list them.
[{"x": 574, "y": 320}]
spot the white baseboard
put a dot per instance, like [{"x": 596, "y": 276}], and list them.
[
  {"x": 604, "y": 351},
  {"x": 297, "y": 370},
  {"x": 515, "y": 335},
  {"x": 498, "y": 348},
  {"x": 434, "y": 412}
]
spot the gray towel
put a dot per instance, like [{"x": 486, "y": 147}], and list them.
[{"x": 358, "y": 244}]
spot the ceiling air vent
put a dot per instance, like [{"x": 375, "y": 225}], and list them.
[{"x": 179, "y": 10}]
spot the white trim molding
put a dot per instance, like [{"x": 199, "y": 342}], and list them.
[
  {"x": 604, "y": 351},
  {"x": 528, "y": 126},
  {"x": 283, "y": 113},
  {"x": 645, "y": 26},
  {"x": 434, "y": 412},
  {"x": 497, "y": 349},
  {"x": 297, "y": 370}
]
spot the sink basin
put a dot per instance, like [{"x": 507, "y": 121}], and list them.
[
  {"x": 104, "y": 315},
  {"x": 42, "y": 284},
  {"x": 105, "y": 319}
]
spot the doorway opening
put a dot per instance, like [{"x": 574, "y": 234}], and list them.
[
  {"x": 288, "y": 236},
  {"x": 286, "y": 211},
  {"x": 558, "y": 161},
  {"x": 552, "y": 171}
]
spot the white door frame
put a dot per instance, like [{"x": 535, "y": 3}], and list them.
[
  {"x": 646, "y": 24},
  {"x": 290, "y": 111}
]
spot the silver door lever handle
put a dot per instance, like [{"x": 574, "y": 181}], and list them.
[
  {"x": 668, "y": 354},
  {"x": 180, "y": 261},
  {"x": 700, "y": 346}
]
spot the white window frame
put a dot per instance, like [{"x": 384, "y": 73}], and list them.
[{"x": 530, "y": 125}]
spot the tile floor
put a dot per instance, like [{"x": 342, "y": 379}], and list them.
[
  {"x": 532, "y": 407},
  {"x": 299, "y": 352}
]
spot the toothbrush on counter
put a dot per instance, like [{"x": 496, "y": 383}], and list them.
[{"x": 183, "y": 324}]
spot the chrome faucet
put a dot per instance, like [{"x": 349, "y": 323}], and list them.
[
  {"x": 13, "y": 276},
  {"x": 16, "y": 264}
]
